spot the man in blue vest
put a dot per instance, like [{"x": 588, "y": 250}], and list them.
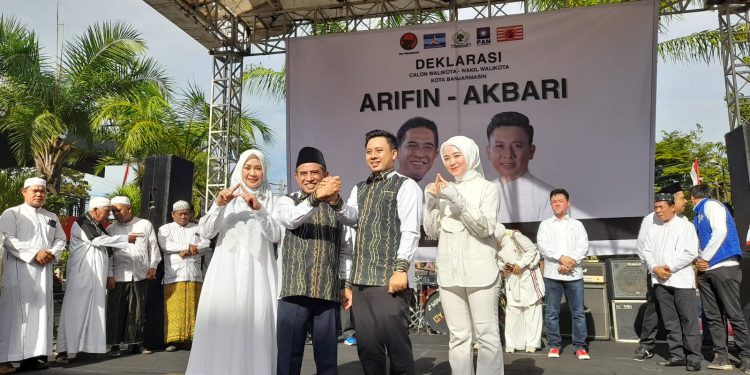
[{"x": 719, "y": 277}]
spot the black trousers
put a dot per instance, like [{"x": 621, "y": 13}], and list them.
[
  {"x": 679, "y": 309},
  {"x": 382, "y": 328},
  {"x": 650, "y": 323},
  {"x": 297, "y": 316},
  {"x": 720, "y": 293},
  {"x": 126, "y": 307}
]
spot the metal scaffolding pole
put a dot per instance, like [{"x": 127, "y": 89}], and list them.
[
  {"x": 733, "y": 28},
  {"x": 224, "y": 128}
]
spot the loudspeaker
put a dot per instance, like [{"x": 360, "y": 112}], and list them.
[
  {"x": 626, "y": 279},
  {"x": 627, "y": 316},
  {"x": 167, "y": 179},
  {"x": 594, "y": 272},
  {"x": 738, "y": 156},
  {"x": 596, "y": 307}
]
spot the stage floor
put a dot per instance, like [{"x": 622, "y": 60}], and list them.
[{"x": 431, "y": 357}]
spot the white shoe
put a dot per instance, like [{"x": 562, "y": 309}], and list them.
[
  {"x": 509, "y": 350},
  {"x": 530, "y": 349},
  {"x": 170, "y": 348}
]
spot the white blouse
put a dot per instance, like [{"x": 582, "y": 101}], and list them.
[{"x": 463, "y": 218}]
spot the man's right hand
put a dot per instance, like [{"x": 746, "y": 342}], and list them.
[
  {"x": 346, "y": 299},
  {"x": 43, "y": 257},
  {"x": 568, "y": 262},
  {"x": 328, "y": 188},
  {"x": 662, "y": 272},
  {"x": 110, "y": 283}
]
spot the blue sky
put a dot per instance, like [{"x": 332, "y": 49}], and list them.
[{"x": 687, "y": 93}]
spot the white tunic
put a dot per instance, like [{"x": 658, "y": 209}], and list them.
[
  {"x": 674, "y": 244},
  {"x": 235, "y": 328},
  {"x": 524, "y": 199},
  {"x": 83, "y": 316},
  {"x": 26, "y": 299},
  {"x": 527, "y": 288},
  {"x": 174, "y": 238},
  {"x": 133, "y": 263}
]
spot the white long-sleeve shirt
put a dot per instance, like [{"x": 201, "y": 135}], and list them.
[
  {"x": 132, "y": 264},
  {"x": 409, "y": 202},
  {"x": 558, "y": 237},
  {"x": 717, "y": 216},
  {"x": 174, "y": 238},
  {"x": 463, "y": 216},
  {"x": 673, "y": 244}
]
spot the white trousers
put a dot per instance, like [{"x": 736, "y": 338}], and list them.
[
  {"x": 472, "y": 312},
  {"x": 523, "y": 326}
]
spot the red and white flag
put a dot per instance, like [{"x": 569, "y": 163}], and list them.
[
  {"x": 508, "y": 33},
  {"x": 695, "y": 173}
]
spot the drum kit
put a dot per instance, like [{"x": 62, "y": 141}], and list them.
[{"x": 426, "y": 312}]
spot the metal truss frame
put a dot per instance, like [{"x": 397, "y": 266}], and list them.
[
  {"x": 735, "y": 34},
  {"x": 224, "y": 121}
]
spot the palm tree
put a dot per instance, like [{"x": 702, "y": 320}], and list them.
[
  {"x": 47, "y": 110},
  {"x": 149, "y": 123}
]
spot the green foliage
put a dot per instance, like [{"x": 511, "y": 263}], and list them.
[
  {"x": 11, "y": 182},
  {"x": 675, "y": 153},
  {"x": 132, "y": 191},
  {"x": 47, "y": 111}
]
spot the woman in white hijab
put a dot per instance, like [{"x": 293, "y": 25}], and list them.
[
  {"x": 235, "y": 329},
  {"x": 462, "y": 215}
]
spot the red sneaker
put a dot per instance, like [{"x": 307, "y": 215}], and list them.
[
  {"x": 554, "y": 353},
  {"x": 582, "y": 354}
]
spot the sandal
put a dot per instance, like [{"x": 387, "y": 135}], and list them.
[
  {"x": 62, "y": 358},
  {"x": 7, "y": 368}
]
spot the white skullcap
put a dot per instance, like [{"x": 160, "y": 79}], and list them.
[
  {"x": 99, "y": 202},
  {"x": 121, "y": 200},
  {"x": 34, "y": 181},
  {"x": 180, "y": 205}
]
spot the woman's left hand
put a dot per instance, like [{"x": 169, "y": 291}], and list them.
[{"x": 251, "y": 201}]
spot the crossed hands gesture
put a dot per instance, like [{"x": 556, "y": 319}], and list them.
[
  {"x": 43, "y": 257},
  {"x": 328, "y": 189},
  {"x": 567, "y": 264},
  {"x": 227, "y": 195},
  {"x": 438, "y": 186},
  {"x": 662, "y": 272}
]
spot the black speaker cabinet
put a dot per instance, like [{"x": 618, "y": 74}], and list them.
[
  {"x": 167, "y": 179},
  {"x": 738, "y": 156},
  {"x": 627, "y": 279},
  {"x": 627, "y": 317},
  {"x": 596, "y": 307},
  {"x": 594, "y": 272}
]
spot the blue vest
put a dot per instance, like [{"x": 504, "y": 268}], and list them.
[{"x": 729, "y": 248}]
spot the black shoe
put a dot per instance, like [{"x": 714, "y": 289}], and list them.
[
  {"x": 673, "y": 362},
  {"x": 693, "y": 366},
  {"x": 720, "y": 362},
  {"x": 35, "y": 363},
  {"x": 642, "y": 354}
]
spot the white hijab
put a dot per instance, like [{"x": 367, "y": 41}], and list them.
[
  {"x": 242, "y": 225},
  {"x": 470, "y": 151}
]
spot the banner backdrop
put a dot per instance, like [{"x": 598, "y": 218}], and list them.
[{"x": 584, "y": 77}]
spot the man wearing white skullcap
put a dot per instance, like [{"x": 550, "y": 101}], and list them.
[
  {"x": 82, "y": 320},
  {"x": 34, "y": 239},
  {"x": 183, "y": 248},
  {"x": 129, "y": 272}
]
